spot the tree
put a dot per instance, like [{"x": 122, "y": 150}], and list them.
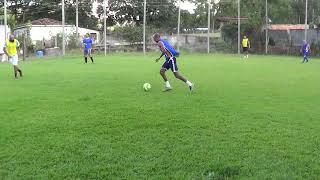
[
  {"x": 29, "y": 10},
  {"x": 160, "y": 14},
  {"x": 11, "y": 19}
]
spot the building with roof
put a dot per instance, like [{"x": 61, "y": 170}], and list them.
[
  {"x": 222, "y": 20},
  {"x": 46, "y": 28},
  {"x": 3, "y": 35},
  {"x": 292, "y": 34},
  {"x": 286, "y": 27}
]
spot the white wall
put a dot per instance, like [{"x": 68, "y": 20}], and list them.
[
  {"x": 3, "y": 37},
  {"x": 38, "y": 33},
  {"x": 84, "y": 31}
]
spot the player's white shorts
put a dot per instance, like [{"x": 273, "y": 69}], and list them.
[{"x": 14, "y": 60}]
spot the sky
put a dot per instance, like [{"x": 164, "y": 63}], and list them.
[{"x": 188, "y": 6}]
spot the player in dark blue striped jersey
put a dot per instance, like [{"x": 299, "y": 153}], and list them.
[{"x": 171, "y": 62}]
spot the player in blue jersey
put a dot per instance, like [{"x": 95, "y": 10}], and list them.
[
  {"x": 305, "y": 50},
  {"x": 87, "y": 48},
  {"x": 171, "y": 62}
]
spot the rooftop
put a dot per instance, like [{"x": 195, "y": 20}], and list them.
[
  {"x": 230, "y": 19},
  {"x": 287, "y": 27},
  {"x": 46, "y": 21}
]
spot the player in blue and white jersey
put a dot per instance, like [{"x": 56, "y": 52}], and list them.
[
  {"x": 305, "y": 51},
  {"x": 170, "y": 62},
  {"x": 87, "y": 48}
]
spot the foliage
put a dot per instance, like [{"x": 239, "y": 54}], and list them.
[
  {"x": 73, "y": 41},
  {"x": 130, "y": 33},
  {"x": 11, "y": 19},
  {"x": 59, "y": 40},
  {"x": 162, "y": 13},
  {"x": 39, "y": 46},
  {"x": 292, "y": 10},
  {"x": 27, "y": 41},
  {"x": 133, "y": 34},
  {"x": 29, "y": 10}
]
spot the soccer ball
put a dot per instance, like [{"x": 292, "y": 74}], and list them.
[{"x": 146, "y": 86}]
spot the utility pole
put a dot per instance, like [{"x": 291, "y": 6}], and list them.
[
  {"x": 239, "y": 26},
  {"x": 208, "y": 36},
  {"x": 77, "y": 18},
  {"x": 5, "y": 19},
  {"x": 306, "y": 23},
  {"x": 179, "y": 21},
  {"x": 267, "y": 26},
  {"x": 144, "y": 25},
  {"x": 63, "y": 31},
  {"x": 105, "y": 26}
]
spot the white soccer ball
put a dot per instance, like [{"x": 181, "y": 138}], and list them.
[{"x": 146, "y": 86}]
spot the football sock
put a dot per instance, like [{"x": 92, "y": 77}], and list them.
[
  {"x": 91, "y": 59},
  {"x": 20, "y": 72},
  {"x": 85, "y": 59},
  {"x": 168, "y": 84},
  {"x": 189, "y": 83}
]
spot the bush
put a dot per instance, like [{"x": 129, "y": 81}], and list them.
[
  {"x": 131, "y": 34},
  {"x": 59, "y": 40},
  {"x": 39, "y": 46},
  {"x": 28, "y": 43},
  {"x": 73, "y": 41},
  {"x": 134, "y": 34}
]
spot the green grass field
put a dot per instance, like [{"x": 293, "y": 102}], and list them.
[{"x": 258, "y": 119}]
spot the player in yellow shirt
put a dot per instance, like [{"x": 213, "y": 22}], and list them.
[
  {"x": 246, "y": 46},
  {"x": 11, "y": 50}
]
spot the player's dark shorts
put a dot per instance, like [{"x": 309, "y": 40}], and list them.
[
  {"x": 87, "y": 52},
  {"x": 171, "y": 64},
  {"x": 245, "y": 49}
]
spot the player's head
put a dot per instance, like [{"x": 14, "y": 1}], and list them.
[
  {"x": 304, "y": 42},
  {"x": 156, "y": 37},
  {"x": 11, "y": 37},
  {"x": 245, "y": 37}
]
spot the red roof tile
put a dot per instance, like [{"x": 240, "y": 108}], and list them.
[
  {"x": 46, "y": 21},
  {"x": 287, "y": 27}
]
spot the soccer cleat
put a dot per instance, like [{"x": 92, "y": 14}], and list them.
[
  {"x": 167, "y": 89},
  {"x": 191, "y": 87}
]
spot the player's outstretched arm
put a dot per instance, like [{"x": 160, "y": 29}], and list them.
[
  {"x": 5, "y": 51},
  {"x": 160, "y": 57}
]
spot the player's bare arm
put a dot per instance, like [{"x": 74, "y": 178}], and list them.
[
  {"x": 157, "y": 60},
  {"x": 5, "y": 51}
]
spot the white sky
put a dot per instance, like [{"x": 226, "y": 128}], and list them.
[{"x": 188, "y": 6}]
